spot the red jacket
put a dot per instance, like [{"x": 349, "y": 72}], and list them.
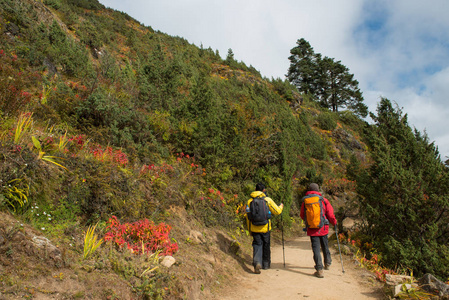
[{"x": 329, "y": 213}]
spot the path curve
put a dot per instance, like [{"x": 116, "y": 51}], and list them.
[{"x": 296, "y": 280}]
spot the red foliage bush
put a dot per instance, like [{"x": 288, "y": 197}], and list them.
[
  {"x": 13, "y": 82},
  {"x": 140, "y": 237},
  {"x": 116, "y": 156}
]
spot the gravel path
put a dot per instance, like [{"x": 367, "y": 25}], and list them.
[{"x": 296, "y": 280}]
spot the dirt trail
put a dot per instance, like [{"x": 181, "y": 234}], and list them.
[{"x": 296, "y": 280}]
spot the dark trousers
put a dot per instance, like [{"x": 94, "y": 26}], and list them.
[
  {"x": 261, "y": 249},
  {"x": 320, "y": 243}
]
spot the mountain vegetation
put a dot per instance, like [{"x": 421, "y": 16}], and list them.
[
  {"x": 118, "y": 140},
  {"x": 404, "y": 195}
]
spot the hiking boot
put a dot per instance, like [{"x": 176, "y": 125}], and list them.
[
  {"x": 327, "y": 267},
  {"x": 257, "y": 269},
  {"x": 319, "y": 274}
]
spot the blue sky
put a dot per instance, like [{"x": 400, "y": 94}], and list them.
[{"x": 396, "y": 49}]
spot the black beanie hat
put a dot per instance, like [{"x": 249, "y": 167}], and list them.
[{"x": 314, "y": 187}]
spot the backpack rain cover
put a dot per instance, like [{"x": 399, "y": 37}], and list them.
[{"x": 314, "y": 208}]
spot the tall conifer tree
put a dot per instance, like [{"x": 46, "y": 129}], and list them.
[
  {"x": 405, "y": 202},
  {"x": 325, "y": 79}
]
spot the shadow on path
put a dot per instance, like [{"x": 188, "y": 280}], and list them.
[{"x": 294, "y": 268}]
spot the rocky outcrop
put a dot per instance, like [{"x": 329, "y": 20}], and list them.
[
  {"x": 348, "y": 140},
  {"x": 18, "y": 240},
  {"x": 402, "y": 285},
  {"x": 433, "y": 285},
  {"x": 52, "y": 251}
]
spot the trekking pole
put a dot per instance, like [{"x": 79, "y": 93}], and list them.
[
  {"x": 282, "y": 230},
  {"x": 339, "y": 250}
]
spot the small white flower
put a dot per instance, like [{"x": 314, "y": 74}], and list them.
[
  {"x": 21, "y": 225},
  {"x": 43, "y": 228},
  {"x": 49, "y": 219},
  {"x": 45, "y": 213},
  {"x": 70, "y": 245},
  {"x": 37, "y": 215}
]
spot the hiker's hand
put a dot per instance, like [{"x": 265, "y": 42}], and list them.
[{"x": 282, "y": 205}]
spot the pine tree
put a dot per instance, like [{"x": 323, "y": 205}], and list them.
[
  {"x": 327, "y": 80},
  {"x": 230, "y": 61},
  {"x": 405, "y": 202},
  {"x": 303, "y": 71}
]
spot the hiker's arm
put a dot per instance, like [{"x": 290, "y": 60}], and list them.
[
  {"x": 274, "y": 208},
  {"x": 330, "y": 213}
]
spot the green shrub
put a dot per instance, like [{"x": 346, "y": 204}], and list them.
[
  {"x": 69, "y": 55},
  {"x": 56, "y": 4},
  {"x": 327, "y": 121},
  {"x": 87, "y": 4},
  {"x": 89, "y": 36},
  {"x": 316, "y": 146},
  {"x": 116, "y": 122}
]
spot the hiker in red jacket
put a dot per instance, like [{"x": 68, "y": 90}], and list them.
[{"x": 319, "y": 230}]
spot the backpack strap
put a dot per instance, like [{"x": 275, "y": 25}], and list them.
[{"x": 326, "y": 221}]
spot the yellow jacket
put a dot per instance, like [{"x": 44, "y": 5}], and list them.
[{"x": 273, "y": 207}]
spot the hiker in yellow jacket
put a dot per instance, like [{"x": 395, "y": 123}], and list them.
[{"x": 261, "y": 233}]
